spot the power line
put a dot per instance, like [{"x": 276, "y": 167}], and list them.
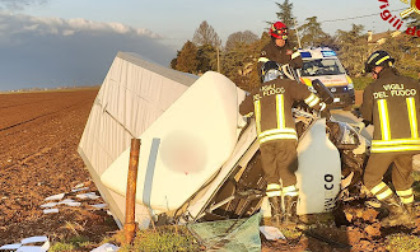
[{"x": 357, "y": 17}]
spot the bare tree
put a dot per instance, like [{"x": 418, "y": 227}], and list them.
[
  {"x": 238, "y": 38},
  {"x": 205, "y": 35}
]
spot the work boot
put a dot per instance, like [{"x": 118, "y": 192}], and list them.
[
  {"x": 290, "y": 206},
  {"x": 276, "y": 212},
  {"x": 398, "y": 215},
  {"x": 411, "y": 210}
]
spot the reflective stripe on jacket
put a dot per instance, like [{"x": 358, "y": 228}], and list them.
[
  {"x": 392, "y": 103},
  {"x": 272, "y": 105}
]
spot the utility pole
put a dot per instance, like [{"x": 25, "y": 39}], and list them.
[
  {"x": 218, "y": 59},
  {"x": 297, "y": 32}
]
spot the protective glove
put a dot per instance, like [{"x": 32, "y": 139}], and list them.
[{"x": 356, "y": 112}]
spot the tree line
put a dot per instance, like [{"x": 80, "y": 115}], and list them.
[{"x": 237, "y": 58}]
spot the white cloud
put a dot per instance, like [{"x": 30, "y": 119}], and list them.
[
  {"x": 39, "y": 51},
  {"x": 54, "y": 25}
]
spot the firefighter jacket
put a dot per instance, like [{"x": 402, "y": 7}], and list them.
[
  {"x": 392, "y": 104},
  {"x": 282, "y": 55},
  {"x": 272, "y": 105}
]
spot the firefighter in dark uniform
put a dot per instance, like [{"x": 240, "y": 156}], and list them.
[
  {"x": 271, "y": 104},
  {"x": 278, "y": 49},
  {"x": 391, "y": 104}
]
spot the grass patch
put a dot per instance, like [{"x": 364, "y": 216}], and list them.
[
  {"x": 402, "y": 243},
  {"x": 291, "y": 233},
  {"x": 165, "y": 238},
  {"x": 72, "y": 244}
]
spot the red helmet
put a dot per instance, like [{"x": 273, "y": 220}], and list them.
[{"x": 279, "y": 30}]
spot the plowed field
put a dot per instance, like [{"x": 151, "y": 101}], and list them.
[{"x": 39, "y": 134}]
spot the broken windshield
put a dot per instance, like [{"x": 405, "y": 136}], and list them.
[{"x": 322, "y": 67}]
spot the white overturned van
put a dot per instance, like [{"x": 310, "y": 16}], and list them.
[{"x": 322, "y": 63}]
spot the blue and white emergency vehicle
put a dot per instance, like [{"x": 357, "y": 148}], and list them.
[{"x": 322, "y": 63}]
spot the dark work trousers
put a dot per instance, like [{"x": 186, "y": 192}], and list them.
[
  {"x": 379, "y": 163},
  {"x": 279, "y": 161}
]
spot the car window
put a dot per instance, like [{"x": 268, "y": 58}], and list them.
[{"x": 315, "y": 67}]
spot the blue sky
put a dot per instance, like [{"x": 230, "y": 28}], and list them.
[{"x": 47, "y": 43}]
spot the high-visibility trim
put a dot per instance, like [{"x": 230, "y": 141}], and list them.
[
  {"x": 273, "y": 186},
  {"x": 277, "y": 137},
  {"x": 311, "y": 100},
  {"x": 295, "y": 55},
  {"x": 263, "y": 59},
  {"x": 395, "y": 148},
  {"x": 273, "y": 193},
  {"x": 384, "y": 119},
  {"x": 384, "y": 195},
  {"x": 378, "y": 188},
  {"x": 400, "y": 141},
  {"x": 372, "y": 57},
  {"x": 249, "y": 114},
  {"x": 278, "y": 131},
  {"x": 281, "y": 122},
  {"x": 290, "y": 191},
  {"x": 381, "y": 60},
  {"x": 412, "y": 114},
  {"x": 291, "y": 188},
  {"x": 292, "y": 194},
  {"x": 257, "y": 109},
  {"x": 408, "y": 192},
  {"x": 407, "y": 200}
]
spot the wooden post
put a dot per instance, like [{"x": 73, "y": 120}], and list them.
[{"x": 130, "y": 200}]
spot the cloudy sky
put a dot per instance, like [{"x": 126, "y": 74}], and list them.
[{"x": 49, "y": 43}]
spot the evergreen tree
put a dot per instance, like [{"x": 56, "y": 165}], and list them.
[
  {"x": 187, "y": 59},
  {"x": 312, "y": 33},
  {"x": 285, "y": 15},
  {"x": 207, "y": 58},
  {"x": 353, "y": 50}
]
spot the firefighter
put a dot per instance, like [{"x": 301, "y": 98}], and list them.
[
  {"x": 278, "y": 49},
  {"x": 391, "y": 103},
  {"x": 271, "y": 103}
]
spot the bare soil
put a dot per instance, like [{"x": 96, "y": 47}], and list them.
[{"x": 39, "y": 135}]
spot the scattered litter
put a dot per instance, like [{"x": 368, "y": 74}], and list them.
[
  {"x": 31, "y": 245},
  {"x": 34, "y": 239},
  {"x": 49, "y": 204},
  {"x": 272, "y": 233},
  {"x": 107, "y": 247},
  {"x": 13, "y": 246},
  {"x": 30, "y": 249},
  {"x": 50, "y": 211},
  {"x": 79, "y": 185},
  {"x": 55, "y": 197},
  {"x": 89, "y": 195},
  {"x": 80, "y": 189},
  {"x": 99, "y": 206},
  {"x": 66, "y": 198},
  {"x": 70, "y": 202}
]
